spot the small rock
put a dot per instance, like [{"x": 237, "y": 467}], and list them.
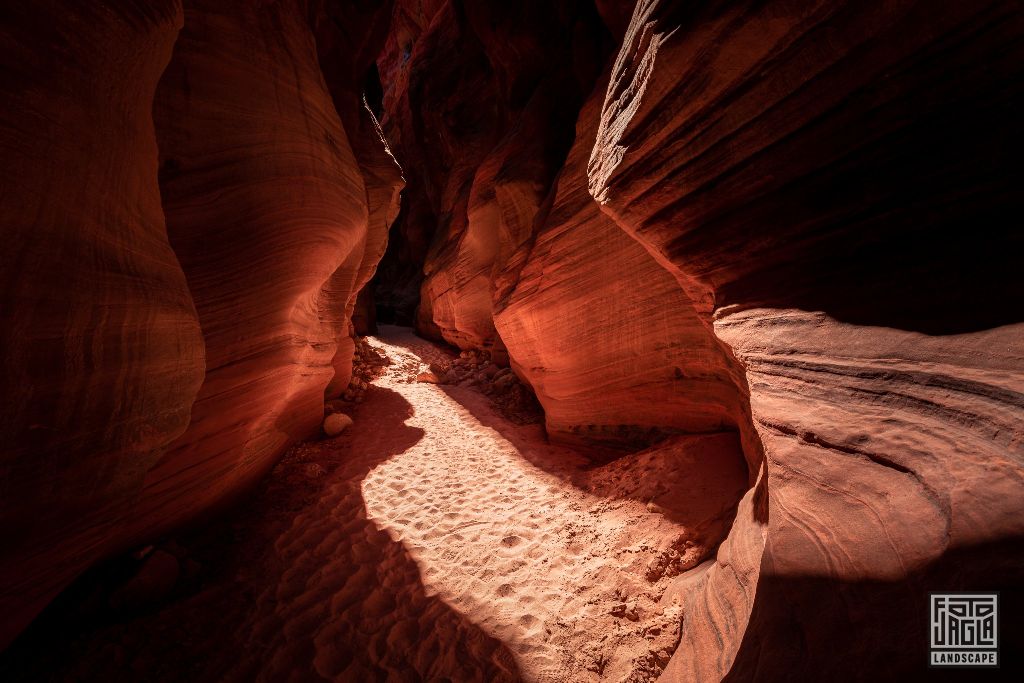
[
  {"x": 428, "y": 377},
  {"x": 314, "y": 470},
  {"x": 336, "y": 423},
  {"x": 623, "y": 610},
  {"x": 504, "y": 382}
]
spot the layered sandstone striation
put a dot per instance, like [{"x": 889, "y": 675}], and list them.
[
  {"x": 521, "y": 256},
  {"x": 758, "y": 227},
  {"x": 780, "y": 224},
  {"x": 241, "y": 255},
  {"x": 613, "y": 347},
  {"x": 348, "y": 37},
  {"x": 480, "y": 100},
  {"x": 268, "y": 211},
  {"x": 101, "y": 350},
  {"x": 797, "y": 170}
]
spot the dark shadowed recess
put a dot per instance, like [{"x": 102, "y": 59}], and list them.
[
  {"x": 896, "y": 205},
  {"x": 469, "y": 84},
  {"x": 877, "y": 630}
]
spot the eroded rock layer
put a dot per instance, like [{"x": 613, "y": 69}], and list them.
[
  {"x": 348, "y": 37},
  {"x": 786, "y": 221},
  {"x": 274, "y": 221},
  {"x": 101, "y": 352},
  {"x": 796, "y": 164},
  {"x": 480, "y": 100},
  {"x": 814, "y": 195},
  {"x": 521, "y": 255},
  {"x": 264, "y": 202},
  {"x": 614, "y": 349}
]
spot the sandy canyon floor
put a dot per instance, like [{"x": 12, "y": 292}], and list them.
[{"x": 433, "y": 540}]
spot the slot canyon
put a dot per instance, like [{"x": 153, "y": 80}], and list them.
[{"x": 479, "y": 340}]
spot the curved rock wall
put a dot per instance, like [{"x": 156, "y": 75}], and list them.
[
  {"x": 275, "y": 219},
  {"x": 784, "y": 219},
  {"x": 480, "y": 100},
  {"x": 796, "y": 163},
  {"x": 264, "y": 202},
  {"x": 101, "y": 349},
  {"x": 348, "y": 37},
  {"x": 522, "y": 256},
  {"x": 614, "y": 349}
]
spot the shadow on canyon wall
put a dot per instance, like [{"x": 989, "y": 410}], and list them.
[{"x": 882, "y": 624}]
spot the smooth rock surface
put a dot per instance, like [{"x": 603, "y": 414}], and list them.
[
  {"x": 610, "y": 343},
  {"x": 99, "y": 342},
  {"x": 264, "y": 202},
  {"x": 336, "y": 423}
]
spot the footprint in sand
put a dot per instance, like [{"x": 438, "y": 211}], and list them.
[{"x": 511, "y": 541}]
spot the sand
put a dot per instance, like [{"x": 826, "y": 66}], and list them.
[
  {"x": 437, "y": 540},
  {"x": 503, "y": 529}
]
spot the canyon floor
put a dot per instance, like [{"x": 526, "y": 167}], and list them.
[{"x": 434, "y": 540}]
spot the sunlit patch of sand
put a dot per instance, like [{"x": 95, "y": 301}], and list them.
[{"x": 509, "y": 535}]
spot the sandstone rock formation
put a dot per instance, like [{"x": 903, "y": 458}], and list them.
[
  {"x": 799, "y": 271},
  {"x": 348, "y": 37},
  {"x": 783, "y": 224},
  {"x": 482, "y": 171},
  {"x": 797, "y": 171},
  {"x": 275, "y": 220},
  {"x": 610, "y": 343},
  {"x": 264, "y": 202},
  {"x": 101, "y": 349}
]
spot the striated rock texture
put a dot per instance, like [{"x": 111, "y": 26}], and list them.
[
  {"x": 484, "y": 104},
  {"x": 614, "y": 349},
  {"x": 274, "y": 221},
  {"x": 267, "y": 209},
  {"x": 480, "y": 101},
  {"x": 831, "y": 177},
  {"x": 99, "y": 340},
  {"x": 348, "y": 37},
  {"x": 784, "y": 221}
]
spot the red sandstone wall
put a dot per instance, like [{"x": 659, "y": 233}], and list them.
[
  {"x": 275, "y": 220},
  {"x": 784, "y": 218},
  {"x": 264, "y": 202},
  {"x": 101, "y": 349},
  {"x": 348, "y": 37},
  {"x": 613, "y": 347},
  {"x": 828, "y": 175}
]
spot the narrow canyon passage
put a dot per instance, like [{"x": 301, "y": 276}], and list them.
[
  {"x": 475, "y": 340},
  {"x": 449, "y": 543},
  {"x": 513, "y": 534},
  {"x": 549, "y": 557}
]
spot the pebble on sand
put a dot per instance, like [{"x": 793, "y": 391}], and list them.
[{"x": 336, "y": 423}]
